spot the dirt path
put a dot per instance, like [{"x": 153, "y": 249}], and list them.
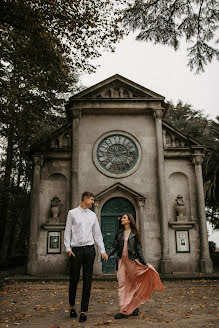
[{"x": 193, "y": 303}]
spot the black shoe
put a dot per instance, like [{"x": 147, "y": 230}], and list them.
[
  {"x": 82, "y": 317},
  {"x": 120, "y": 316},
  {"x": 135, "y": 312},
  {"x": 73, "y": 313}
]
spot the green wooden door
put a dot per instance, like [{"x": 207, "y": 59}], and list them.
[
  {"x": 109, "y": 230},
  {"x": 112, "y": 209}
]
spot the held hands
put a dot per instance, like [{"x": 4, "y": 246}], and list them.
[{"x": 104, "y": 257}]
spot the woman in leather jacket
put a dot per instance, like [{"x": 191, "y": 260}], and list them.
[
  {"x": 134, "y": 245},
  {"x": 136, "y": 278}
]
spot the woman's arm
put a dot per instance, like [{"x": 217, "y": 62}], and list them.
[
  {"x": 113, "y": 249},
  {"x": 139, "y": 252}
]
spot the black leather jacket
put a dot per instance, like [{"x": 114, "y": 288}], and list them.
[{"x": 134, "y": 248}]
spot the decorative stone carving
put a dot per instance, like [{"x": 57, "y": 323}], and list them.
[
  {"x": 76, "y": 113},
  {"x": 38, "y": 160},
  {"x": 180, "y": 208},
  {"x": 158, "y": 113},
  {"x": 197, "y": 159},
  {"x": 120, "y": 92},
  {"x": 171, "y": 139},
  {"x": 63, "y": 141},
  {"x": 117, "y": 154},
  {"x": 140, "y": 201},
  {"x": 55, "y": 206}
]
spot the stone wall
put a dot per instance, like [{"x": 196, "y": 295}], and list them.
[
  {"x": 144, "y": 180},
  {"x": 180, "y": 179},
  {"x": 170, "y": 165},
  {"x": 55, "y": 180}
]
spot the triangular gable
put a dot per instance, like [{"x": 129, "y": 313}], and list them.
[
  {"x": 60, "y": 139},
  {"x": 118, "y": 186},
  {"x": 116, "y": 87},
  {"x": 175, "y": 138}
]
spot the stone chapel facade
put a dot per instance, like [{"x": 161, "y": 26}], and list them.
[{"x": 117, "y": 146}]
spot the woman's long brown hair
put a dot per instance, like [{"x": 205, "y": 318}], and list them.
[{"x": 133, "y": 227}]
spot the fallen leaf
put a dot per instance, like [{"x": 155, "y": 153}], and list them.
[{"x": 58, "y": 304}]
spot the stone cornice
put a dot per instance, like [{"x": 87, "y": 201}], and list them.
[
  {"x": 53, "y": 226},
  {"x": 181, "y": 225},
  {"x": 57, "y": 155}
]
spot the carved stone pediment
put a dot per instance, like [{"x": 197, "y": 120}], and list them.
[
  {"x": 59, "y": 140},
  {"x": 62, "y": 141},
  {"x": 119, "y": 186},
  {"x": 120, "y": 91},
  {"x": 172, "y": 138},
  {"x": 117, "y": 87}
]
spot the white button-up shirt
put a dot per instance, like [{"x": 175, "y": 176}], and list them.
[{"x": 82, "y": 229}]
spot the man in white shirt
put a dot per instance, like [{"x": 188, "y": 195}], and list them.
[{"x": 82, "y": 229}]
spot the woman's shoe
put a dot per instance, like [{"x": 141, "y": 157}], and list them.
[
  {"x": 120, "y": 316},
  {"x": 135, "y": 312}
]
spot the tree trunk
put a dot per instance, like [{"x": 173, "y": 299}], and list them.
[
  {"x": 6, "y": 196},
  {"x": 20, "y": 171},
  {"x": 9, "y": 158}
]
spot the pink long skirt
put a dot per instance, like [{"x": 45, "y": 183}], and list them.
[{"x": 136, "y": 282}]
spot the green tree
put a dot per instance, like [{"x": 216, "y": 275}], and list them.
[
  {"x": 77, "y": 29},
  {"x": 206, "y": 131},
  {"x": 44, "y": 45},
  {"x": 169, "y": 22},
  {"x": 211, "y": 174}
]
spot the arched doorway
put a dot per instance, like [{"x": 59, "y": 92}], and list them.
[{"x": 111, "y": 210}]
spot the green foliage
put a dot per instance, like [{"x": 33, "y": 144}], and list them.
[
  {"x": 44, "y": 45},
  {"x": 190, "y": 121},
  {"x": 76, "y": 29},
  {"x": 206, "y": 131},
  {"x": 168, "y": 22},
  {"x": 212, "y": 214}
]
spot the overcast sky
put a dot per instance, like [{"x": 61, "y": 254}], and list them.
[{"x": 163, "y": 70}]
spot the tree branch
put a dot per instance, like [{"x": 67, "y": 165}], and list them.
[{"x": 199, "y": 15}]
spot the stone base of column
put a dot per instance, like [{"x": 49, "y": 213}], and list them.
[
  {"x": 206, "y": 265},
  {"x": 166, "y": 266},
  {"x": 32, "y": 267}
]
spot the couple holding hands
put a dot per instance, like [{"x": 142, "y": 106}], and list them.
[{"x": 136, "y": 278}]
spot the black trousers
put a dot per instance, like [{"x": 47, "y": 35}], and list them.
[{"x": 84, "y": 256}]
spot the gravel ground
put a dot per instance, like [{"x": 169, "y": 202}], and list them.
[{"x": 186, "y": 303}]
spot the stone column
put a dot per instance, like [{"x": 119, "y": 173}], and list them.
[
  {"x": 206, "y": 265},
  {"x": 75, "y": 158},
  {"x": 166, "y": 263},
  {"x": 140, "y": 223},
  {"x": 96, "y": 207},
  {"x": 97, "y": 263},
  {"x": 34, "y": 217}
]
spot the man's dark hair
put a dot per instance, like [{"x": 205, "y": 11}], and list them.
[{"x": 86, "y": 194}]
